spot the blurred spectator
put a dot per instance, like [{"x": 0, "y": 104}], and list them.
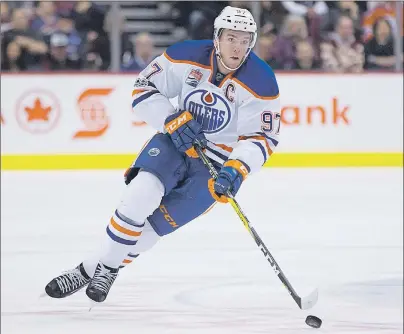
[
  {"x": 75, "y": 41},
  {"x": 347, "y": 8},
  {"x": 198, "y": 17},
  {"x": 28, "y": 6},
  {"x": 305, "y": 57},
  {"x": 383, "y": 9},
  {"x": 272, "y": 16},
  {"x": 180, "y": 13},
  {"x": 45, "y": 19},
  {"x": 96, "y": 51},
  {"x": 14, "y": 61},
  {"x": 64, "y": 8},
  {"x": 202, "y": 18},
  {"x": 291, "y": 33},
  {"x": 30, "y": 43},
  {"x": 4, "y": 12},
  {"x": 88, "y": 17},
  {"x": 265, "y": 44},
  {"x": 144, "y": 54},
  {"x": 5, "y": 17},
  {"x": 294, "y": 30},
  {"x": 342, "y": 52},
  {"x": 306, "y": 8},
  {"x": 94, "y": 46},
  {"x": 58, "y": 57},
  {"x": 379, "y": 51},
  {"x": 363, "y": 5},
  {"x": 314, "y": 12}
]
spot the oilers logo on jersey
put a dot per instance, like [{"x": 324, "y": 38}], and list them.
[
  {"x": 208, "y": 109},
  {"x": 232, "y": 109}
]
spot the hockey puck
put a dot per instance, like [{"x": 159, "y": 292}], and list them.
[{"x": 313, "y": 321}]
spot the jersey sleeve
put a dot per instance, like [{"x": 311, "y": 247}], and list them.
[
  {"x": 258, "y": 127},
  {"x": 153, "y": 88}
]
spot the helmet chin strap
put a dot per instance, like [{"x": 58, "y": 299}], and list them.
[{"x": 219, "y": 56}]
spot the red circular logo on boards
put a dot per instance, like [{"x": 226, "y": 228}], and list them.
[
  {"x": 93, "y": 113},
  {"x": 37, "y": 111}
]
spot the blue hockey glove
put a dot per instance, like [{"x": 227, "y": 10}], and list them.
[
  {"x": 185, "y": 132},
  {"x": 230, "y": 177}
]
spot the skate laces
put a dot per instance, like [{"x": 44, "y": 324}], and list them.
[
  {"x": 70, "y": 280},
  {"x": 103, "y": 279}
]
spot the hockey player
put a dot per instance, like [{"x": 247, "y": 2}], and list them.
[{"x": 228, "y": 101}]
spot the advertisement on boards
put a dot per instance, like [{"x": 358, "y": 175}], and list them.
[{"x": 354, "y": 118}]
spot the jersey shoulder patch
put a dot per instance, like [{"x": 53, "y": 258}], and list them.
[
  {"x": 258, "y": 78},
  {"x": 191, "y": 52}
]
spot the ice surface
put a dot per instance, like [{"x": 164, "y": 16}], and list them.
[{"x": 340, "y": 230}]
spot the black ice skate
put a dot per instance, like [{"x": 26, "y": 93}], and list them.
[
  {"x": 101, "y": 283},
  {"x": 68, "y": 283}
]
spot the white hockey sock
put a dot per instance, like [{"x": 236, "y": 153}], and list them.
[
  {"x": 122, "y": 233},
  {"x": 142, "y": 196},
  {"x": 148, "y": 239},
  {"x": 90, "y": 265},
  {"x": 129, "y": 258}
]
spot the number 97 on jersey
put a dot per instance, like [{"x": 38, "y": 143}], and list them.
[{"x": 271, "y": 121}]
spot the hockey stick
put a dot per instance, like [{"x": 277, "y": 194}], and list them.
[{"x": 304, "y": 303}]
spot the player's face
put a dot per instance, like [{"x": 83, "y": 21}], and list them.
[{"x": 234, "y": 46}]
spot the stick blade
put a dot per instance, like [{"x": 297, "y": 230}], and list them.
[{"x": 309, "y": 301}]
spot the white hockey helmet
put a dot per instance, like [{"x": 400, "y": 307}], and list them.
[{"x": 238, "y": 19}]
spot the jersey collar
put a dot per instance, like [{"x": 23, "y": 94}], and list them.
[{"x": 214, "y": 69}]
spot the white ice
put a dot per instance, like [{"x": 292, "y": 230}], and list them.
[{"x": 340, "y": 230}]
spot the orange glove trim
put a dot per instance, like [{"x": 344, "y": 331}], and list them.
[
  {"x": 179, "y": 121},
  {"x": 191, "y": 152},
  {"x": 220, "y": 199},
  {"x": 237, "y": 164}
]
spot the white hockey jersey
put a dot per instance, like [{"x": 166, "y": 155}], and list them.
[{"x": 239, "y": 114}]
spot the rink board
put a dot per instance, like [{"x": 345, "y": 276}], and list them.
[{"x": 85, "y": 121}]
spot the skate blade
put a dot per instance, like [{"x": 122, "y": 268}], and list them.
[
  {"x": 43, "y": 295},
  {"x": 92, "y": 304}
]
